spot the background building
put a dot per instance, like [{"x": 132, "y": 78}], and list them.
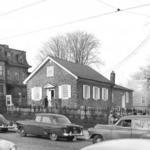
[
  {"x": 13, "y": 70},
  {"x": 141, "y": 96}
]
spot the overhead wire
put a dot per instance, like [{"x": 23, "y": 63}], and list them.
[
  {"x": 108, "y": 4},
  {"x": 75, "y": 21},
  {"x": 134, "y": 52},
  {"x": 114, "y": 7},
  {"x": 22, "y": 7}
]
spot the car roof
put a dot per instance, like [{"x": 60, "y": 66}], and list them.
[
  {"x": 136, "y": 117},
  {"x": 121, "y": 144},
  {"x": 50, "y": 114}
]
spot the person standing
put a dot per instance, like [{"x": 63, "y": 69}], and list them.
[{"x": 45, "y": 102}]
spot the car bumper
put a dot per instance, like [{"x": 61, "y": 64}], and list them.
[{"x": 72, "y": 134}]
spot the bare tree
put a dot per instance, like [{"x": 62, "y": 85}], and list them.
[
  {"x": 79, "y": 47},
  {"x": 143, "y": 73}
]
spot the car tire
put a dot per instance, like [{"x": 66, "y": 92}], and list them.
[
  {"x": 53, "y": 137},
  {"x": 22, "y": 132},
  {"x": 97, "y": 139}
]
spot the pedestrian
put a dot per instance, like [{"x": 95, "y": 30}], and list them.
[
  {"x": 45, "y": 102},
  {"x": 111, "y": 118}
]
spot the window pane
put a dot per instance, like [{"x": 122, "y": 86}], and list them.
[
  {"x": 46, "y": 120},
  {"x": 36, "y": 93},
  {"x": 1, "y": 71},
  {"x": 86, "y": 91},
  {"x": 127, "y": 97},
  {"x": 96, "y": 93},
  {"x": 105, "y": 94},
  {"x": 50, "y": 71},
  {"x": 65, "y": 91}
]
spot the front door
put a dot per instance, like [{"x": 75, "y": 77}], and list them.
[{"x": 50, "y": 95}]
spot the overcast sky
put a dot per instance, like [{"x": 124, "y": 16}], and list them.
[{"x": 27, "y": 24}]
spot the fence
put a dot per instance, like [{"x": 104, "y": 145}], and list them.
[{"x": 87, "y": 117}]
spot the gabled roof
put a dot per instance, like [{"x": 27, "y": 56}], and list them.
[
  {"x": 76, "y": 70},
  {"x": 121, "y": 88}
]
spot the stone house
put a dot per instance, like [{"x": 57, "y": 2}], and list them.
[
  {"x": 13, "y": 71},
  {"x": 69, "y": 84}
]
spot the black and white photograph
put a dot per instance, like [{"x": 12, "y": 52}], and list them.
[{"x": 74, "y": 74}]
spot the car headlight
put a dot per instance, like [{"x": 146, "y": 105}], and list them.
[{"x": 14, "y": 147}]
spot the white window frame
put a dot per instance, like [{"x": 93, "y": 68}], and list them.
[
  {"x": 105, "y": 94},
  {"x": 96, "y": 93},
  {"x": 50, "y": 71},
  {"x": 1, "y": 70},
  {"x": 127, "y": 97},
  {"x": 61, "y": 89},
  {"x": 86, "y": 94},
  {"x": 34, "y": 96}
]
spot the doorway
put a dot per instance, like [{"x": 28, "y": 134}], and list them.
[{"x": 50, "y": 95}]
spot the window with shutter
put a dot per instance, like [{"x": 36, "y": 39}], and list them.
[
  {"x": 96, "y": 93},
  {"x": 65, "y": 91},
  {"x": 36, "y": 93},
  {"x": 127, "y": 97},
  {"x": 86, "y": 91},
  {"x": 105, "y": 94}
]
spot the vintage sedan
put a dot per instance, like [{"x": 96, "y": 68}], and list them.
[
  {"x": 5, "y": 124},
  {"x": 53, "y": 126},
  {"x": 126, "y": 127}
]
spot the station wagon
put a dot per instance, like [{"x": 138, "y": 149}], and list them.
[{"x": 126, "y": 127}]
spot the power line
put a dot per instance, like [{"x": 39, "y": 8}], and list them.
[
  {"x": 58, "y": 25},
  {"x": 134, "y": 52},
  {"x": 75, "y": 21},
  {"x": 22, "y": 7},
  {"x": 117, "y": 8},
  {"x": 139, "y": 14},
  {"x": 108, "y": 4}
]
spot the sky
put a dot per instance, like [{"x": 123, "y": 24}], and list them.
[{"x": 28, "y": 24}]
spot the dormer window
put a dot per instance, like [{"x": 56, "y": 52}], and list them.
[{"x": 50, "y": 71}]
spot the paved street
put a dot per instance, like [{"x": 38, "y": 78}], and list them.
[{"x": 37, "y": 143}]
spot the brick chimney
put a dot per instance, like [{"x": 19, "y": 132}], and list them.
[{"x": 112, "y": 77}]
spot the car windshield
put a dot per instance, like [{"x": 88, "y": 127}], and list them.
[
  {"x": 61, "y": 120},
  {"x": 3, "y": 119}
]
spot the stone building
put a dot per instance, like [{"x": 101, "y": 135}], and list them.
[
  {"x": 13, "y": 71},
  {"x": 72, "y": 85}
]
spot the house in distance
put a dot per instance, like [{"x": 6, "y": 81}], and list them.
[
  {"x": 74, "y": 85},
  {"x": 13, "y": 71}
]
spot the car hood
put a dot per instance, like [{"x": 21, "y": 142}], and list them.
[{"x": 102, "y": 126}]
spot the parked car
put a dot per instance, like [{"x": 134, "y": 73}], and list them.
[
  {"x": 126, "y": 127},
  {"x": 5, "y": 125},
  {"x": 7, "y": 145},
  {"x": 53, "y": 126},
  {"x": 120, "y": 144}
]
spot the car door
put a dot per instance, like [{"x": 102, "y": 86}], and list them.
[
  {"x": 122, "y": 129},
  {"x": 35, "y": 127},
  {"x": 140, "y": 127}
]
